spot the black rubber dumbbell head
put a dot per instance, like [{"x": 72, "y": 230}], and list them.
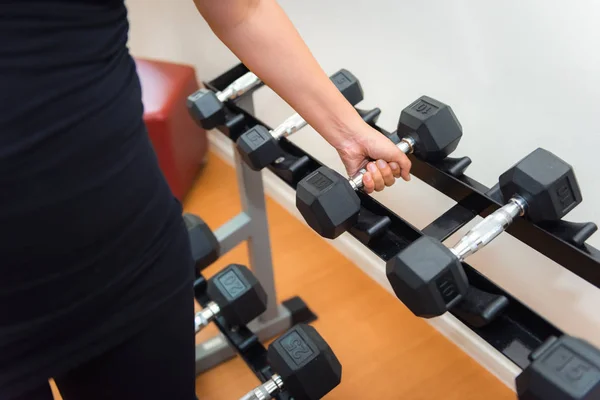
[
  {"x": 206, "y": 109},
  {"x": 204, "y": 244},
  {"x": 427, "y": 277},
  {"x": 327, "y": 202},
  {"x": 546, "y": 182},
  {"x": 307, "y": 365},
  {"x": 348, "y": 85},
  {"x": 433, "y": 126},
  {"x": 258, "y": 148},
  {"x": 569, "y": 369},
  {"x": 238, "y": 293}
]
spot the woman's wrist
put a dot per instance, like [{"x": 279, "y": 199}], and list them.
[{"x": 344, "y": 131}]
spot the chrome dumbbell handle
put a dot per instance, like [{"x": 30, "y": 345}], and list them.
[
  {"x": 485, "y": 231},
  {"x": 238, "y": 87},
  {"x": 206, "y": 315},
  {"x": 266, "y": 390},
  {"x": 291, "y": 125}
]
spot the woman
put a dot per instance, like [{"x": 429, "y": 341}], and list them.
[{"x": 95, "y": 266}]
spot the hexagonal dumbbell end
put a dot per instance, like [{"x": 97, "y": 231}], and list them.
[
  {"x": 427, "y": 277},
  {"x": 206, "y": 109},
  {"x": 433, "y": 126},
  {"x": 258, "y": 148},
  {"x": 546, "y": 183},
  {"x": 349, "y": 85},
  {"x": 327, "y": 202},
  {"x": 562, "y": 369},
  {"x": 236, "y": 295},
  {"x": 204, "y": 244},
  {"x": 306, "y": 364}
]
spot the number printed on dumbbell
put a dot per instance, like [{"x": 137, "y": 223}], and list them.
[
  {"x": 232, "y": 284},
  {"x": 256, "y": 138},
  {"x": 565, "y": 194},
  {"x": 296, "y": 348},
  {"x": 340, "y": 79},
  {"x": 319, "y": 181},
  {"x": 424, "y": 107},
  {"x": 447, "y": 287},
  {"x": 197, "y": 95},
  {"x": 572, "y": 367}
]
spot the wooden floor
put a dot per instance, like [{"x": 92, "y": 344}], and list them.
[{"x": 386, "y": 352}]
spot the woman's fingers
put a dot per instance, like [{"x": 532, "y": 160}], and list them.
[
  {"x": 395, "y": 169},
  {"x": 386, "y": 172},
  {"x": 381, "y": 174},
  {"x": 405, "y": 166},
  {"x": 368, "y": 184},
  {"x": 378, "y": 181}
]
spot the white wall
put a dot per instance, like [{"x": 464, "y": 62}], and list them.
[{"x": 519, "y": 75}]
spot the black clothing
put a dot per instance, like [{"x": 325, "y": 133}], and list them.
[
  {"x": 92, "y": 243},
  {"x": 155, "y": 364}
]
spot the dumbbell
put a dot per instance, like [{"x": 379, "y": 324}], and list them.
[
  {"x": 562, "y": 369},
  {"x": 428, "y": 277},
  {"x": 235, "y": 294},
  {"x": 206, "y": 106},
  {"x": 328, "y": 201},
  {"x": 258, "y": 147},
  {"x": 304, "y": 364},
  {"x": 204, "y": 243}
]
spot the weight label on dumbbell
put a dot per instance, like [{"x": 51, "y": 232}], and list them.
[
  {"x": 255, "y": 138},
  {"x": 197, "y": 95},
  {"x": 572, "y": 368},
  {"x": 319, "y": 181},
  {"x": 340, "y": 80},
  {"x": 424, "y": 107},
  {"x": 447, "y": 287},
  {"x": 232, "y": 284},
  {"x": 296, "y": 347},
  {"x": 564, "y": 194}
]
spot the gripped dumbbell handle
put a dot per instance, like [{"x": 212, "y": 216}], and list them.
[
  {"x": 266, "y": 390},
  {"x": 206, "y": 315},
  {"x": 406, "y": 145},
  {"x": 493, "y": 225},
  {"x": 291, "y": 125},
  {"x": 238, "y": 87}
]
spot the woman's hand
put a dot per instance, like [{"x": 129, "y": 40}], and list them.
[{"x": 364, "y": 144}]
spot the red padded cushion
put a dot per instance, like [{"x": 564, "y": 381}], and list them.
[{"x": 179, "y": 143}]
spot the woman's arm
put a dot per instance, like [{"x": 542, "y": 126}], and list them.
[{"x": 261, "y": 35}]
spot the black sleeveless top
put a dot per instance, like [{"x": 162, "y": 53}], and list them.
[{"x": 87, "y": 220}]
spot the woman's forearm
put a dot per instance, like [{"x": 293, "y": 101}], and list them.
[{"x": 261, "y": 35}]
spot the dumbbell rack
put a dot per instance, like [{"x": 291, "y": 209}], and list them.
[
  {"x": 250, "y": 226},
  {"x": 489, "y": 311},
  {"x": 242, "y": 341}
]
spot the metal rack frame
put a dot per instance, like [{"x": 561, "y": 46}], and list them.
[{"x": 249, "y": 225}]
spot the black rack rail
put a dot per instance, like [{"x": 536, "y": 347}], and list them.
[{"x": 493, "y": 314}]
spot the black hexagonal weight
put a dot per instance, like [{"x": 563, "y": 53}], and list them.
[
  {"x": 238, "y": 293},
  {"x": 546, "y": 182},
  {"x": 307, "y": 365},
  {"x": 569, "y": 369},
  {"x": 433, "y": 126},
  {"x": 327, "y": 202},
  {"x": 427, "y": 277},
  {"x": 258, "y": 148},
  {"x": 349, "y": 85},
  {"x": 204, "y": 244},
  {"x": 206, "y": 109}
]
